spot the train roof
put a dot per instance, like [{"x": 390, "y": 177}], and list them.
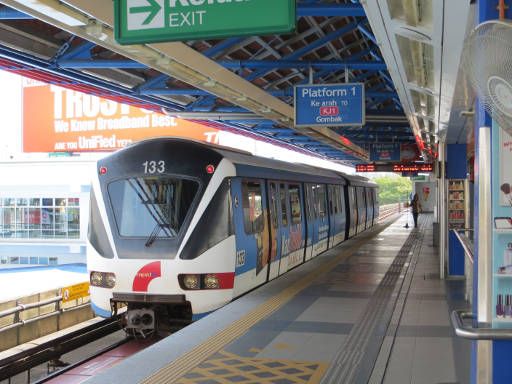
[{"x": 250, "y": 165}]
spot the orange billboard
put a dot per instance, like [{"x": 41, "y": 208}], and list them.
[{"x": 56, "y": 119}]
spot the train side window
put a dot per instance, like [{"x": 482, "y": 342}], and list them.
[
  {"x": 294, "y": 195},
  {"x": 252, "y": 205},
  {"x": 273, "y": 204},
  {"x": 320, "y": 203},
  {"x": 284, "y": 206},
  {"x": 339, "y": 197}
]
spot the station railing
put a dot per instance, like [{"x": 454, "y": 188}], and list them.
[
  {"x": 388, "y": 210},
  {"x": 28, "y": 318}
]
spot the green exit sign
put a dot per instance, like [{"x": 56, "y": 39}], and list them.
[{"x": 149, "y": 21}]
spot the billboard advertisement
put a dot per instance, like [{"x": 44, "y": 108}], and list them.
[{"x": 56, "y": 119}]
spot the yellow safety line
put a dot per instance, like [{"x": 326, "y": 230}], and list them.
[{"x": 173, "y": 371}]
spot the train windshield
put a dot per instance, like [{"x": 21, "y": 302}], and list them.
[{"x": 151, "y": 207}]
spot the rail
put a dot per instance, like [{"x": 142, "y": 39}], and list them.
[
  {"x": 468, "y": 247},
  {"x": 388, "y": 210},
  {"x": 476, "y": 333}
]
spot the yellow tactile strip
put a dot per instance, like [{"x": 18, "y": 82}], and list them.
[
  {"x": 179, "y": 367},
  {"x": 224, "y": 367}
]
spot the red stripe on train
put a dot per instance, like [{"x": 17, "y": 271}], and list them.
[{"x": 145, "y": 275}]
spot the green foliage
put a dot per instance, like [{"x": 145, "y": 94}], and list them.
[{"x": 393, "y": 189}]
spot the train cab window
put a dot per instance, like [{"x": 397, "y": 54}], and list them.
[
  {"x": 320, "y": 203},
  {"x": 151, "y": 206},
  {"x": 253, "y": 208},
  {"x": 273, "y": 204},
  {"x": 294, "y": 194},
  {"x": 284, "y": 206}
]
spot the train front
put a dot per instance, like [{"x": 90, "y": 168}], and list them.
[{"x": 160, "y": 234}]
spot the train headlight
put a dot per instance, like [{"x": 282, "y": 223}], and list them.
[
  {"x": 211, "y": 282},
  {"x": 110, "y": 280},
  {"x": 102, "y": 279},
  {"x": 190, "y": 281},
  {"x": 96, "y": 279}
]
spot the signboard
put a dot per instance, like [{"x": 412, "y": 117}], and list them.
[
  {"x": 147, "y": 21},
  {"x": 62, "y": 120},
  {"x": 409, "y": 153},
  {"x": 329, "y": 105},
  {"x": 385, "y": 152},
  {"x": 74, "y": 292},
  {"x": 413, "y": 168},
  {"x": 408, "y": 169},
  {"x": 365, "y": 167}
]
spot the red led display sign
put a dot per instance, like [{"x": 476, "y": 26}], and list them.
[
  {"x": 365, "y": 168},
  {"x": 413, "y": 168},
  {"x": 395, "y": 167}
]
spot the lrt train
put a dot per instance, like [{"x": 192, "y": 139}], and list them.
[{"x": 179, "y": 228}]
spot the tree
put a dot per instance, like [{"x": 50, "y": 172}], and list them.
[{"x": 393, "y": 188}]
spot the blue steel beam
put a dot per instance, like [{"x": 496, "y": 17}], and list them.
[
  {"x": 277, "y": 64},
  {"x": 7, "y": 13},
  {"x": 297, "y": 54},
  {"x": 343, "y": 10},
  {"x": 234, "y": 64}
]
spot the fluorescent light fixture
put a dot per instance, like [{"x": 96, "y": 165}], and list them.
[{"x": 59, "y": 14}]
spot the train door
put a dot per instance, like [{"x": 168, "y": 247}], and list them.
[
  {"x": 352, "y": 211},
  {"x": 309, "y": 200},
  {"x": 361, "y": 209},
  {"x": 294, "y": 246},
  {"x": 376, "y": 211},
  {"x": 333, "y": 210},
  {"x": 369, "y": 207},
  {"x": 250, "y": 215},
  {"x": 337, "y": 215},
  {"x": 321, "y": 219},
  {"x": 284, "y": 227},
  {"x": 275, "y": 231}
]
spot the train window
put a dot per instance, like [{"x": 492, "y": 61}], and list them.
[
  {"x": 294, "y": 194},
  {"x": 151, "y": 206},
  {"x": 273, "y": 204},
  {"x": 284, "y": 206},
  {"x": 320, "y": 203},
  {"x": 253, "y": 208}
]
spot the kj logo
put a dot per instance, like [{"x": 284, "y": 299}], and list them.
[{"x": 329, "y": 111}]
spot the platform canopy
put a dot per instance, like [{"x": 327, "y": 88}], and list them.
[{"x": 239, "y": 83}]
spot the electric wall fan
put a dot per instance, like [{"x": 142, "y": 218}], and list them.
[{"x": 487, "y": 62}]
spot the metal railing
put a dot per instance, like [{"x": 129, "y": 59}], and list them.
[
  {"x": 388, "y": 210},
  {"x": 468, "y": 247},
  {"x": 15, "y": 314},
  {"x": 476, "y": 333}
]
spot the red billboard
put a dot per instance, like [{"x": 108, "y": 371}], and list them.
[{"x": 56, "y": 119}]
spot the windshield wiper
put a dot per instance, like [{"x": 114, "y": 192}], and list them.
[{"x": 154, "y": 234}]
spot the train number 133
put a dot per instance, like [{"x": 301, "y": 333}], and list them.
[{"x": 152, "y": 167}]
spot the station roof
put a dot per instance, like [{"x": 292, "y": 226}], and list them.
[{"x": 245, "y": 84}]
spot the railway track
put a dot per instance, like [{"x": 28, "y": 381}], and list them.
[{"x": 52, "y": 350}]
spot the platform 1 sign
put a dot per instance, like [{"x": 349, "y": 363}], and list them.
[
  {"x": 329, "y": 105},
  {"x": 148, "y": 21}
]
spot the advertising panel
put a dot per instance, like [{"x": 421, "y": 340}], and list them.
[
  {"x": 385, "y": 151},
  {"x": 56, "y": 119}
]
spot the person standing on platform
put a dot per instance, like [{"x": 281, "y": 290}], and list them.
[{"x": 416, "y": 209}]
